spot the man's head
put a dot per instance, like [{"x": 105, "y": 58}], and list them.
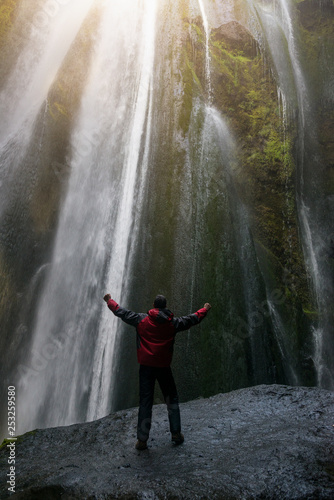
[{"x": 160, "y": 302}]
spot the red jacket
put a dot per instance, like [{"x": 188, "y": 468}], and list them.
[{"x": 156, "y": 331}]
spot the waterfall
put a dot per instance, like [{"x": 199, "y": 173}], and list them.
[
  {"x": 177, "y": 153},
  {"x": 92, "y": 249},
  {"x": 279, "y": 29},
  {"x": 216, "y": 135},
  {"x": 129, "y": 206},
  {"x": 28, "y": 84},
  {"x": 207, "y": 51},
  {"x": 249, "y": 270}
]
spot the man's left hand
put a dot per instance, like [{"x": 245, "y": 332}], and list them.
[{"x": 107, "y": 297}]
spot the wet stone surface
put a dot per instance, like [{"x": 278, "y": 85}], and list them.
[{"x": 263, "y": 442}]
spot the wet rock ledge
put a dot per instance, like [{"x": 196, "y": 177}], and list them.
[{"x": 263, "y": 442}]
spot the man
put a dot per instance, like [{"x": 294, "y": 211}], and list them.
[{"x": 156, "y": 332}]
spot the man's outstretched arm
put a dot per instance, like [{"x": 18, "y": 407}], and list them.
[
  {"x": 185, "y": 322},
  {"x": 129, "y": 317}
]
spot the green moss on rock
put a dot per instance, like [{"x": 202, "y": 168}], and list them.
[
  {"x": 7, "y": 14},
  {"x": 17, "y": 440}
]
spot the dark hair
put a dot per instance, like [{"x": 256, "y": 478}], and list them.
[{"x": 160, "y": 302}]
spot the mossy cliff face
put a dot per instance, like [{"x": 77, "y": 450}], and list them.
[
  {"x": 317, "y": 45},
  {"x": 191, "y": 227},
  {"x": 246, "y": 94}
]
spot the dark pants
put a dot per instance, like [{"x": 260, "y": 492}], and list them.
[{"x": 147, "y": 377}]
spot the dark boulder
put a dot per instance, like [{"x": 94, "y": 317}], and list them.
[{"x": 236, "y": 37}]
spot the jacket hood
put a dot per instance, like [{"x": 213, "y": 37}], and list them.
[{"x": 161, "y": 315}]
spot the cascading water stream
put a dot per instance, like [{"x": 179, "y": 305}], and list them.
[
  {"x": 205, "y": 136},
  {"x": 278, "y": 27},
  {"x": 207, "y": 51},
  {"x": 28, "y": 85},
  {"x": 248, "y": 264},
  {"x": 216, "y": 133},
  {"x": 308, "y": 216},
  {"x": 121, "y": 257},
  {"x": 72, "y": 354}
]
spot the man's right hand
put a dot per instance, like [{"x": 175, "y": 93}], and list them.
[
  {"x": 107, "y": 297},
  {"x": 207, "y": 306}
]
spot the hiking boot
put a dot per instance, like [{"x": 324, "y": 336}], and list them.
[
  {"x": 177, "y": 438},
  {"x": 141, "y": 445}
]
